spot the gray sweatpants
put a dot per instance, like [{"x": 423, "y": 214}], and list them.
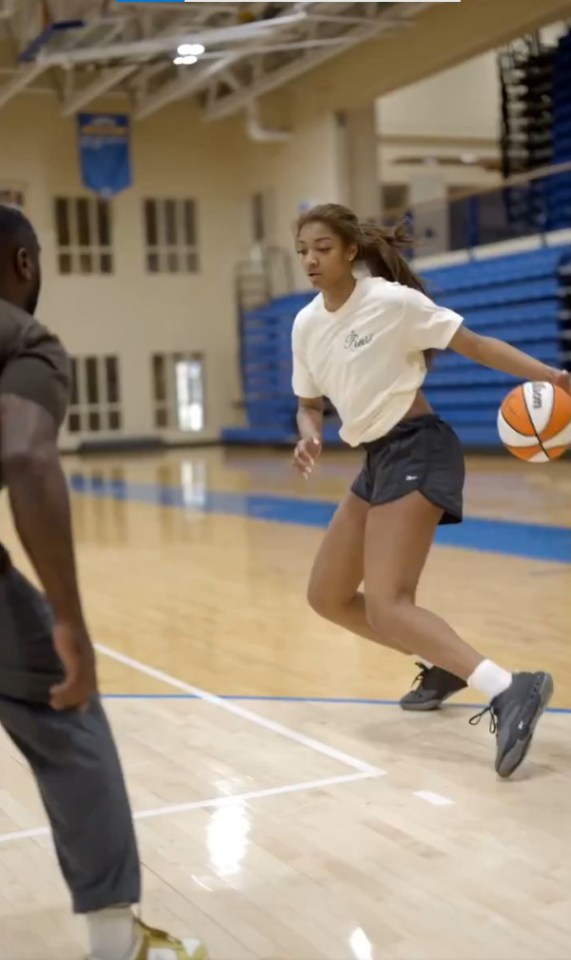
[{"x": 72, "y": 756}]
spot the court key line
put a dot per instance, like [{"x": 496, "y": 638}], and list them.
[
  {"x": 367, "y": 771},
  {"x": 230, "y": 707},
  {"x": 226, "y": 801}
]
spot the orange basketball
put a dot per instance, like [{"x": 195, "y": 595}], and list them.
[{"x": 534, "y": 422}]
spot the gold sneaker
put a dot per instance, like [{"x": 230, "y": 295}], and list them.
[{"x": 158, "y": 945}]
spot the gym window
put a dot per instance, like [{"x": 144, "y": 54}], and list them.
[
  {"x": 178, "y": 391},
  {"x": 96, "y": 395},
  {"x": 170, "y": 236},
  {"x": 83, "y": 233},
  {"x": 12, "y": 196}
]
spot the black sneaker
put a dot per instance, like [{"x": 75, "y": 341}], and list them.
[
  {"x": 434, "y": 686},
  {"x": 514, "y": 715}
]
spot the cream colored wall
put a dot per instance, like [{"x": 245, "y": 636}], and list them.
[
  {"x": 437, "y": 105},
  {"x": 132, "y": 313},
  {"x": 307, "y": 169},
  {"x": 462, "y": 101},
  {"x": 454, "y": 112}
]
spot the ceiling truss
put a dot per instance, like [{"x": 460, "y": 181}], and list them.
[{"x": 129, "y": 49}]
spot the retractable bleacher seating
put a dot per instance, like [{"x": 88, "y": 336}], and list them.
[
  {"x": 526, "y": 83},
  {"x": 266, "y": 372},
  {"x": 521, "y": 298},
  {"x": 559, "y": 187}
]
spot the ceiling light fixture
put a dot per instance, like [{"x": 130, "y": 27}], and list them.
[
  {"x": 191, "y": 50},
  {"x": 184, "y": 61}
]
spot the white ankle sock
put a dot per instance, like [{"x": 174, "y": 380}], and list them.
[
  {"x": 425, "y": 663},
  {"x": 490, "y": 679},
  {"x": 112, "y": 934}
]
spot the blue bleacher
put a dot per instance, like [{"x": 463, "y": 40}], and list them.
[
  {"x": 515, "y": 298},
  {"x": 518, "y": 298},
  {"x": 559, "y": 187}
]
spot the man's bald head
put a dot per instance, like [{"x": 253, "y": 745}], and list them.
[{"x": 20, "y": 277}]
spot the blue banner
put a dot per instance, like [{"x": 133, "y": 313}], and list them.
[{"x": 105, "y": 152}]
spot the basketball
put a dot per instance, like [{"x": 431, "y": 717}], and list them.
[{"x": 534, "y": 422}]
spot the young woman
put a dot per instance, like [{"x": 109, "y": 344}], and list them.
[{"x": 366, "y": 344}]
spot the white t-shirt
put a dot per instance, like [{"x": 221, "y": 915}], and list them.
[{"x": 367, "y": 357}]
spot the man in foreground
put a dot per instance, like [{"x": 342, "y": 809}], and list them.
[{"x": 49, "y": 704}]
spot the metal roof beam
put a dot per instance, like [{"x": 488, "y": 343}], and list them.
[
  {"x": 195, "y": 79},
  {"x": 234, "y": 102},
  {"x": 163, "y": 44},
  {"x": 109, "y": 79},
  {"x": 186, "y": 85},
  {"x": 104, "y": 83},
  {"x": 21, "y": 79}
]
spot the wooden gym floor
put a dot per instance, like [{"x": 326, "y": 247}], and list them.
[{"x": 286, "y": 808}]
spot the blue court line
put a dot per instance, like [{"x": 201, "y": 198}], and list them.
[
  {"x": 360, "y": 701},
  {"x": 530, "y": 540}
]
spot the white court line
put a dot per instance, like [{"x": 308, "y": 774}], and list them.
[
  {"x": 226, "y": 801},
  {"x": 231, "y": 707}
]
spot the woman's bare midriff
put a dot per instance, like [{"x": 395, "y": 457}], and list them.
[{"x": 419, "y": 407}]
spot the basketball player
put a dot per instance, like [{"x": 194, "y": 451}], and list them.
[
  {"x": 366, "y": 344},
  {"x": 49, "y": 703}
]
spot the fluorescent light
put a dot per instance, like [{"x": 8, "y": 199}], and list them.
[
  {"x": 191, "y": 50},
  {"x": 179, "y": 61}
]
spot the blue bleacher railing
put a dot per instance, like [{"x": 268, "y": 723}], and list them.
[{"x": 525, "y": 205}]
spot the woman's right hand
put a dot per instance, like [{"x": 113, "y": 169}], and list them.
[{"x": 305, "y": 454}]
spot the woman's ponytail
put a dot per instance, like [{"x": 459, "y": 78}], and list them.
[{"x": 379, "y": 250}]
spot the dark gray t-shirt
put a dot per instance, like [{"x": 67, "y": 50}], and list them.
[
  {"x": 35, "y": 366},
  {"x": 33, "y": 363}
]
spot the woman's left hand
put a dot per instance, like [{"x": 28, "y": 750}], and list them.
[{"x": 562, "y": 378}]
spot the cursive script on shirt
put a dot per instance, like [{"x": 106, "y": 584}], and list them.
[{"x": 354, "y": 341}]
